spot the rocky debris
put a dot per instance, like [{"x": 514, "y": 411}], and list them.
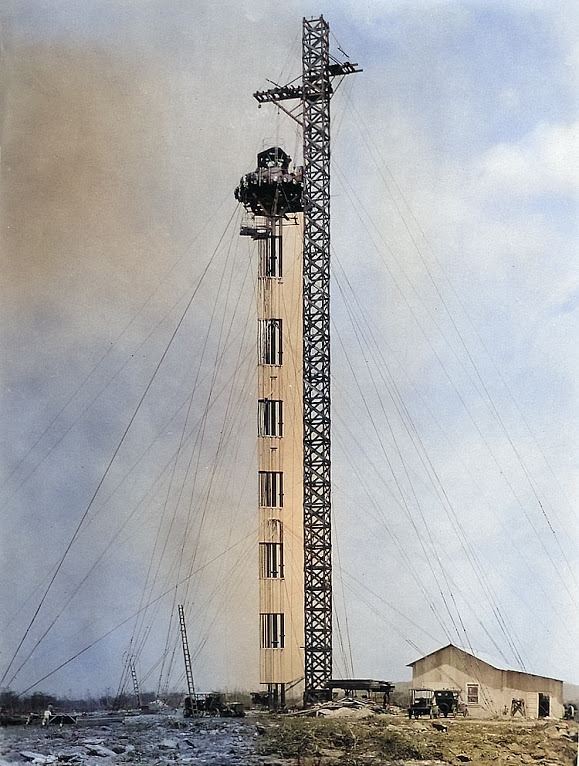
[
  {"x": 171, "y": 744},
  {"x": 323, "y": 740},
  {"x": 346, "y": 707},
  {"x": 28, "y": 755},
  {"x": 100, "y": 750},
  {"x": 152, "y": 740}
]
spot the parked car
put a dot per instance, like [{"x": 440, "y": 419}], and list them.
[{"x": 447, "y": 702}]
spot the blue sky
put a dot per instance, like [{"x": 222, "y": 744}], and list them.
[{"x": 126, "y": 127}]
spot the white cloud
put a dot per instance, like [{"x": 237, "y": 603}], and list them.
[{"x": 544, "y": 162}]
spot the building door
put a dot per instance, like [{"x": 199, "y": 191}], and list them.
[{"x": 544, "y": 706}]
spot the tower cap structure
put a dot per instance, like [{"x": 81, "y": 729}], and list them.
[{"x": 272, "y": 190}]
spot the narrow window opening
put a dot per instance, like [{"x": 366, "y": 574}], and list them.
[
  {"x": 270, "y": 257},
  {"x": 271, "y": 549},
  {"x": 271, "y": 561},
  {"x": 271, "y": 489},
  {"x": 270, "y": 417},
  {"x": 269, "y": 341},
  {"x": 272, "y": 630}
]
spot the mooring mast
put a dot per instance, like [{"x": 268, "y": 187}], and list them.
[{"x": 314, "y": 93}]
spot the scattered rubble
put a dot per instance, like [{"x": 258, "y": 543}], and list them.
[
  {"x": 346, "y": 707},
  {"x": 154, "y": 740}
]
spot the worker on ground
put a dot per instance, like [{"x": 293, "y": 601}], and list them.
[{"x": 47, "y": 716}]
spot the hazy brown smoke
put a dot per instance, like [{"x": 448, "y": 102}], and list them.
[
  {"x": 92, "y": 215},
  {"x": 82, "y": 141}
]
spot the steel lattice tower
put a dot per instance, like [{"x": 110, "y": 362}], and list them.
[
  {"x": 315, "y": 93},
  {"x": 316, "y": 361}
]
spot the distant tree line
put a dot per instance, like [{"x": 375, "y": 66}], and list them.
[{"x": 11, "y": 702}]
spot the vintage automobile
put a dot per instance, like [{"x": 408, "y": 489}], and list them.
[
  {"x": 448, "y": 702},
  {"x": 422, "y": 703}
]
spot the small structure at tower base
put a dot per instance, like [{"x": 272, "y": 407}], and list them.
[{"x": 378, "y": 691}]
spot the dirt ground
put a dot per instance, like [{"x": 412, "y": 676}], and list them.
[
  {"x": 395, "y": 739},
  {"x": 289, "y": 741}
]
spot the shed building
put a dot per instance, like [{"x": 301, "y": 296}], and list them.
[{"x": 488, "y": 691}]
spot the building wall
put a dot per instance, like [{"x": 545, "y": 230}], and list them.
[
  {"x": 451, "y": 668},
  {"x": 281, "y": 298}
]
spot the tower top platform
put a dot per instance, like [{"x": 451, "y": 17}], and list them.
[{"x": 272, "y": 190}]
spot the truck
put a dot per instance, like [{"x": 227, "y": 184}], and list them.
[
  {"x": 422, "y": 703},
  {"x": 211, "y": 704}
]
